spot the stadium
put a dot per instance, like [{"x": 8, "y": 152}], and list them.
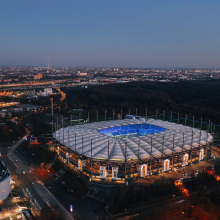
[{"x": 131, "y": 148}]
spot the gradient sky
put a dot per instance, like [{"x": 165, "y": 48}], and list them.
[{"x": 104, "y": 33}]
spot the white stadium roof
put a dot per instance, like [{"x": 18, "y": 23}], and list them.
[{"x": 117, "y": 146}]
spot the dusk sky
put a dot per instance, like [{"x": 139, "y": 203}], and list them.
[{"x": 104, "y": 33}]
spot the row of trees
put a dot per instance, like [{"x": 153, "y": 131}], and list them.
[
  {"x": 139, "y": 195},
  {"x": 199, "y": 98},
  {"x": 10, "y": 132}
]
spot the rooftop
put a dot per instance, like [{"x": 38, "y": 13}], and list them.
[{"x": 131, "y": 146}]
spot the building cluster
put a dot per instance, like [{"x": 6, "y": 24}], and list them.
[
  {"x": 70, "y": 76},
  {"x": 7, "y": 111}
]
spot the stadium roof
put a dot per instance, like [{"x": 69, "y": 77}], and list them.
[{"x": 125, "y": 146}]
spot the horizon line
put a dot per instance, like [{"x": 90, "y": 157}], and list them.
[{"x": 111, "y": 67}]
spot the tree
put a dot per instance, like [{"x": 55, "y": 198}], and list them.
[{"x": 50, "y": 214}]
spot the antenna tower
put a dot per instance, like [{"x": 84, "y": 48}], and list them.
[{"x": 48, "y": 66}]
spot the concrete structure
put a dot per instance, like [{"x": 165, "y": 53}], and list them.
[
  {"x": 47, "y": 91},
  {"x": 27, "y": 215},
  {"x": 5, "y": 181}
]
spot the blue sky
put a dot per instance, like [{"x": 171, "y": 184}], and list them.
[{"x": 104, "y": 33}]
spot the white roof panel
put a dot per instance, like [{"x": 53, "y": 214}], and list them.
[{"x": 80, "y": 136}]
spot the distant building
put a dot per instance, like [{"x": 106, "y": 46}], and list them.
[
  {"x": 29, "y": 92},
  {"x": 7, "y": 80},
  {"x": 81, "y": 74},
  {"x": 29, "y": 107},
  {"x": 77, "y": 80},
  {"x": 47, "y": 91},
  {"x": 38, "y": 76},
  {"x": 105, "y": 81}
]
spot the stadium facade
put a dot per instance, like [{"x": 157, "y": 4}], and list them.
[
  {"x": 5, "y": 181},
  {"x": 131, "y": 148}
]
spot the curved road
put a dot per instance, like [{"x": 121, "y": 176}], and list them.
[
  {"x": 45, "y": 194},
  {"x": 21, "y": 167}
]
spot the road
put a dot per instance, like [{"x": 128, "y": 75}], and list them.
[
  {"x": 20, "y": 165},
  {"x": 49, "y": 199},
  {"x": 85, "y": 208},
  {"x": 41, "y": 190}
]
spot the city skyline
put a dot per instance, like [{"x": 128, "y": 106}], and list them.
[{"x": 125, "y": 34}]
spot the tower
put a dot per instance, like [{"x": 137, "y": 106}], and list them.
[{"x": 48, "y": 66}]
